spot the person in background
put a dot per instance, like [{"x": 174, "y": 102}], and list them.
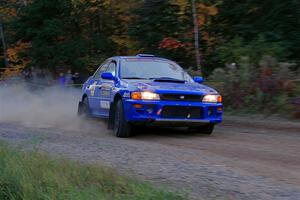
[
  {"x": 69, "y": 77},
  {"x": 76, "y": 78},
  {"x": 27, "y": 73},
  {"x": 62, "y": 80},
  {"x": 40, "y": 74}
]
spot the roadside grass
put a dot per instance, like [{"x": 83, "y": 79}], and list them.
[{"x": 34, "y": 175}]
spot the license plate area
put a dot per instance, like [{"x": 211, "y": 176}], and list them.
[{"x": 182, "y": 112}]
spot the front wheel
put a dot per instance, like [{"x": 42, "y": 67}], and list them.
[
  {"x": 121, "y": 127},
  {"x": 205, "y": 129},
  {"x": 84, "y": 108}
]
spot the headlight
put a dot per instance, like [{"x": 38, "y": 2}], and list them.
[
  {"x": 145, "y": 96},
  {"x": 212, "y": 98}
]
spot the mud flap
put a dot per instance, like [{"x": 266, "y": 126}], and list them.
[
  {"x": 79, "y": 111},
  {"x": 110, "y": 124}
]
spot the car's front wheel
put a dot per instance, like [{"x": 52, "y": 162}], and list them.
[
  {"x": 84, "y": 108},
  {"x": 121, "y": 127},
  {"x": 204, "y": 129}
]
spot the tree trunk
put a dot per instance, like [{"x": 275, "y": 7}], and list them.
[
  {"x": 196, "y": 37},
  {"x": 3, "y": 45}
]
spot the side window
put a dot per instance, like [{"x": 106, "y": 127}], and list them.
[
  {"x": 101, "y": 69},
  {"x": 112, "y": 68}
]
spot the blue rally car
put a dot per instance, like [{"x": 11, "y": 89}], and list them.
[{"x": 145, "y": 90}]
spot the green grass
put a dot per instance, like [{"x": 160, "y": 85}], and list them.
[{"x": 34, "y": 175}]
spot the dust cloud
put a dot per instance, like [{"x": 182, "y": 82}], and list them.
[{"x": 45, "y": 107}]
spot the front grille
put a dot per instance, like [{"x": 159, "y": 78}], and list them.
[
  {"x": 184, "y": 112},
  {"x": 181, "y": 97}
]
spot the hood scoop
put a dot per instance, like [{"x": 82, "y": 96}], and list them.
[{"x": 170, "y": 80}]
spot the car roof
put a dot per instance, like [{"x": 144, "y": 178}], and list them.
[{"x": 141, "y": 56}]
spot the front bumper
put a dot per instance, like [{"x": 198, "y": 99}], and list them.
[
  {"x": 177, "y": 122},
  {"x": 151, "y": 112}
]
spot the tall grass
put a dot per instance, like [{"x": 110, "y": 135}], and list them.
[{"x": 33, "y": 175}]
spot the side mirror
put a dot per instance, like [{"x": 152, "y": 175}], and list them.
[
  {"x": 198, "y": 79},
  {"x": 107, "y": 76}
]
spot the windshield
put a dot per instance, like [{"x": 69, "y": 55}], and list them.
[{"x": 152, "y": 69}]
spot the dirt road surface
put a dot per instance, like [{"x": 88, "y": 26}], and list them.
[{"x": 240, "y": 161}]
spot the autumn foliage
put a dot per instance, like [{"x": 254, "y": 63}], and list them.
[
  {"x": 170, "y": 43},
  {"x": 79, "y": 34}
]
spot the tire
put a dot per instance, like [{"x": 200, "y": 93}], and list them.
[
  {"x": 205, "y": 129},
  {"x": 121, "y": 127},
  {"x": 84, "y": 108}
]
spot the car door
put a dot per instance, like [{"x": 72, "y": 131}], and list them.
[
  {"x": 106, "y": 89},
  {"x": 95, "y": 89}
]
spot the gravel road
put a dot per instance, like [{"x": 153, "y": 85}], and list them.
[{"x": 238, "y": 162}]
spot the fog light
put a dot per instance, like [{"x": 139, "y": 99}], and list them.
[{"x": 137, "y": 106}]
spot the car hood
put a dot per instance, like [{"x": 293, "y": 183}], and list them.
[{"x": 168, "y": 87}]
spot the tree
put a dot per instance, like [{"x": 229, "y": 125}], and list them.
[
  {"x": 80, "y": 33},
  {"x": 8, "y": 10},
  {"x": 52, "y": 31},
  {"x": 158, "y": 29},
  {"x": 274, "y": 20},
  {"x": 73, "y": 34},
  {"x": 196, "y": 34}
]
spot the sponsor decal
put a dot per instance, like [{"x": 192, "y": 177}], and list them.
[
  {"x": 114, "y": 89},
  {"x": 105, "y": 86},
  {"x": 104, "y": 92},
  {"x": 105, "y": 104},
  {"x": 93, "y": 88},
  {"x": 126, "y": 94}
]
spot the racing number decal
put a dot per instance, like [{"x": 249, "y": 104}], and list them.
[
  {"x": 105, "y": 104},
  {"x": 93, "y": 88}
]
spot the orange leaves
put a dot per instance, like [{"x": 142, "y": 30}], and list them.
[
  {"x": 201, "y": 20},
  {"x": 182, "y": 5},
  {"x": 17, "y": 63},
  {"x": 170, "y": 43},
  {"x": 204, "y": 11},
  {"x": 7, "y": 13},
  {"x": 13, "y": 54},
  {"x": 120, "y": 40},
  {"x": 209, "y": 10},
  {"x": 205, "y": 35},
  {"x": 92, "y": 9}
]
